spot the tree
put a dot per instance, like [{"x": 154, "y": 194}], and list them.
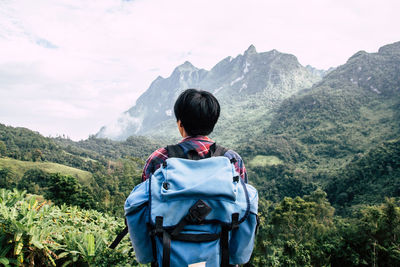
[
  {"x": 3, "y": 149},
  {"x": 7, "y": 179},
  {"x": 37, "y": 155},
  {"x": 65, "y": 189},
  {"x": 35, "y": 181},
  {"x": 371, "y": 238},
  {"x": 298, "y": 232}
]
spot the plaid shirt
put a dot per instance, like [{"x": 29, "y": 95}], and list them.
[{"x": 201, "y": 144}]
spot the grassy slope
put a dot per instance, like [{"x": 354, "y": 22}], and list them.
[
  {"x": 20, "y": 167},
  {"x": 262, "y": 161}
]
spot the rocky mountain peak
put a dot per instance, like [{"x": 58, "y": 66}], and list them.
[
  {"x": 390, "y": 49},
  {"x": 250, "y": 51},
  {"x": 186, "y": 66},
  {"x": 357, "y": 55}
]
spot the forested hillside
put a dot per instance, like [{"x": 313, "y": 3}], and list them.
[
  {"x": 95, "y": 173},
  {"x": 367, "y": 178},
  {"x": 134, "y": 146},
  {"x": 317, "y": 133},
  {"x": 353, "y": 108}
]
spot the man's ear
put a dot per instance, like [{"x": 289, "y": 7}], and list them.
[{"x": 181, "y": 128}]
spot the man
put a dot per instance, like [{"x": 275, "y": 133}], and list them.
[
  {"x": 209, "y": 227},
  {"x": 196, "y": 113}
]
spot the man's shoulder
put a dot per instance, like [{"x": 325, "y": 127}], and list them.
[
  {"x": 159, "y": 154},
  {"x": 153, "y": 161}
]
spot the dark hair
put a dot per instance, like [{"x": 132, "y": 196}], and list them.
[{"x": 198, "y": 111}]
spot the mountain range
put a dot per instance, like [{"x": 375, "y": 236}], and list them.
[{"x": 247, "y": 86}]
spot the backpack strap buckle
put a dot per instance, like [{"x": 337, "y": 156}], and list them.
[
  {"x": 198, "y": 212},
  {"x": 235, "y": 221},
  {"x": 158, "y": 229}
]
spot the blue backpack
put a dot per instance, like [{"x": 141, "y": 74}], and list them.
[{"x": 193, "y": 211}]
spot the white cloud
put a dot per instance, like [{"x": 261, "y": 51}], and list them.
[
  {"x": 85, "y": 62},
  {"x": 118, "y": 127}
]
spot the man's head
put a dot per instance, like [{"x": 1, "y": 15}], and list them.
[{"x": 198, "y": 111}]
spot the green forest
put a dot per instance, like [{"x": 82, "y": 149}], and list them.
[
  {"x": 326, "y": 164},
  {"x": 62, "y": 202}
]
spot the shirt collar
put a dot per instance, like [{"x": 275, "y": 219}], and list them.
[{"x": 197, "y": 137}]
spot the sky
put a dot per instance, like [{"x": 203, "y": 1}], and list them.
[{"x": 69, "y": 67}]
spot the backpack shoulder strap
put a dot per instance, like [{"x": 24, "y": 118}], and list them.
[
  {"x": 175, "y": 151},
  {"x": 216, "y": 150},
  {"x": 219, "y": 150}
]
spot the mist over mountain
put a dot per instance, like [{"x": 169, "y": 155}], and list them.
[{"x": 249, "y": 86}]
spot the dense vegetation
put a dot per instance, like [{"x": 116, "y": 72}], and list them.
[
  {"x": 367, "y": 178},
  {"x": 36, "y": 233},
  {"x": 295, "y": 232},
  {"x": 305, "y": 232}
]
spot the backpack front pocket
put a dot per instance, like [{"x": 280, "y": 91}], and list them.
[{"x": 208, "y": 179}]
